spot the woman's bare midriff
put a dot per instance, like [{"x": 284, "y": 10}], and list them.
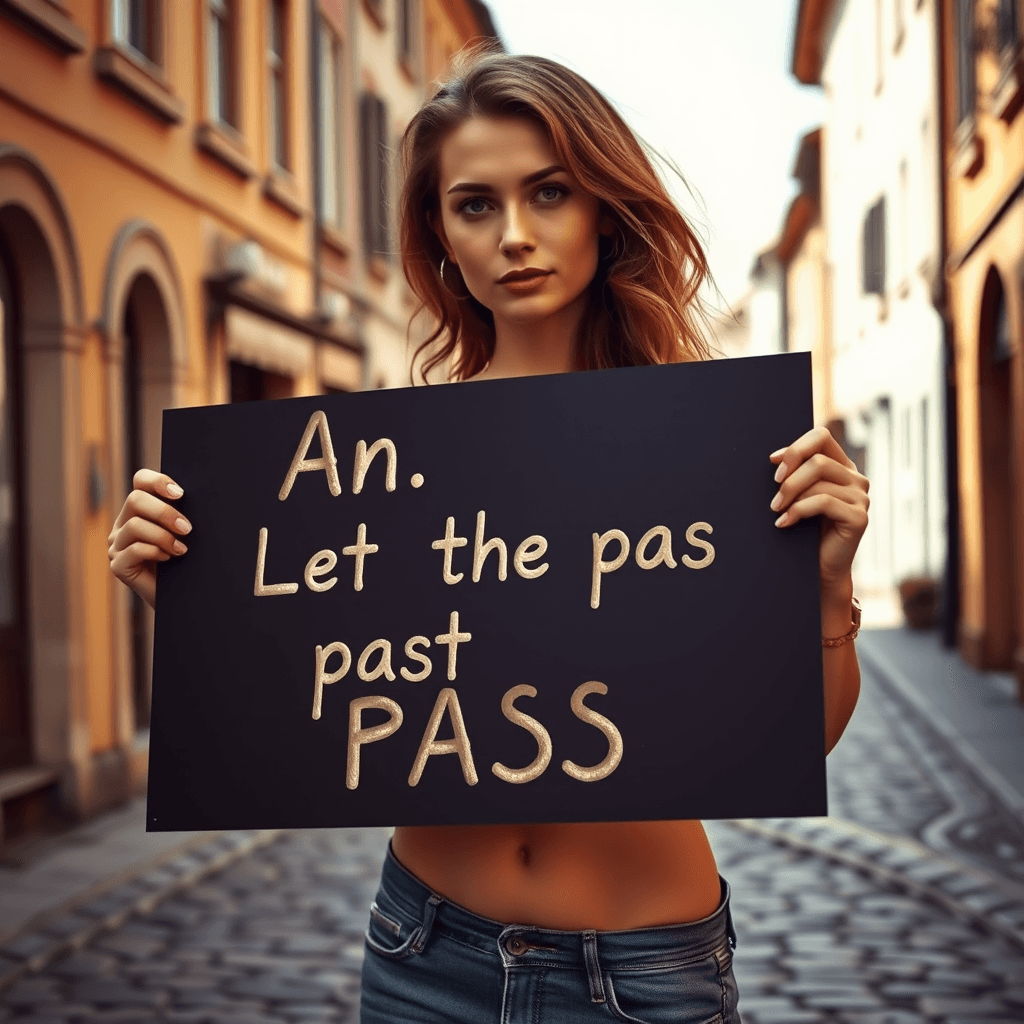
[{"x": 606, "y": 876}]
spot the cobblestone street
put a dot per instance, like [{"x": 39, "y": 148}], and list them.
[{"x": 888, "y": 912}]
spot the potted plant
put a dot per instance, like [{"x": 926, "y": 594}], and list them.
[{"x": 919, "y": 596}]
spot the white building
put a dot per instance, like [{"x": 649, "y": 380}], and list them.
[
  {"x": 880, "y": 207},
  {"x": 767, "y": 285}
]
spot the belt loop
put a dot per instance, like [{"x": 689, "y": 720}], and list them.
[
  {"x": 730, "y": 928},
  {"x": 594, "y": 975},
  {"x": 424, "y": 930}
]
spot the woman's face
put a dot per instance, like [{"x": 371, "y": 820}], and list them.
[{"x": 519, "y": 227}]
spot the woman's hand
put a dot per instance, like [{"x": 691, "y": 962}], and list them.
[
  {"x": 146, "y": 532},
  {"x": 815, "y": 477}
]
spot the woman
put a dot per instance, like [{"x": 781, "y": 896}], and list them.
[{"x": 540, "y": 240}]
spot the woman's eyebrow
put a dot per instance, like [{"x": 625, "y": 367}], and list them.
[{"x": 471, "y": 186}]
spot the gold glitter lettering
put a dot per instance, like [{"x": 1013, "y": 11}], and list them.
[
  {"x": 364, "y": 457},
  {"x": 322, "y": 562},
  {"x": 410, "y": 652},
  {"x": 448, "y": 545},
  {"x": 360, "y": 550},
  {"x": 482, "y": 549},
  {"x": 530, "y": 550},
  {"x": 536, "y": 767},
  {"x": 261, "y": 589},
  {"x": 383, "y": 667},
  {"x": 323, "y": 677},
  {"x": 697, "y": 542},
  {"x": 664, "y": 552},
  {"x": 600, "y": 566},
  {"x": 327, "y": 462},
  {"x": 452, "y": 638},
  {"x": 430, "y": 745},
  {"x": 614, "y": 737},
  {"x": 359, "y": 737}
]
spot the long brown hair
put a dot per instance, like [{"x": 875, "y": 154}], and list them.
[{"x": 644, "y": 303}]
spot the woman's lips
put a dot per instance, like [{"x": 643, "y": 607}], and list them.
[{"x": 520, "y": 281}]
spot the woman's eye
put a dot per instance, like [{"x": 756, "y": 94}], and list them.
[
  {"x": 475, "y": 205},
  {"x": 551, "y": 193}
]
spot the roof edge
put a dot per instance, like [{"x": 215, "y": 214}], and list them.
[{"x": 806, "y": 61}]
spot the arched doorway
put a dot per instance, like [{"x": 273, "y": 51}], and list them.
[
  {"x": 15, "y": 718},
  {"x": 143, "y": 319},
  {"x": 995, "y": 359},
  {"x": 147, "y": 392},
  {"x": 45, "y": 765}
]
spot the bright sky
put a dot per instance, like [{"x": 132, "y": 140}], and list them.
[{"x": 707, "y": 83}]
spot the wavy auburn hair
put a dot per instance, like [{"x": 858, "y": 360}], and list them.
[{"x": 644, "y": 303}]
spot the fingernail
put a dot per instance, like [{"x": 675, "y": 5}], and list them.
[
  {"x": 775, "y": 455},
  {"x": 776, "y": 502},
  {"x": 780, "y": 473},
  {"x": 179, "y": 548},
  {"x": 182, "y": 525},
  {"x": 782, "y": 520},
  {"x": 174, "y": 491}
]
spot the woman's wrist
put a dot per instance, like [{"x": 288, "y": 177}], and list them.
[{"x": 837, "y": 609}]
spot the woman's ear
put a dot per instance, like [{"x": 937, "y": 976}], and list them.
[
  {"x": 606, "y": 225},
  {"x": 434, "y": 220}
]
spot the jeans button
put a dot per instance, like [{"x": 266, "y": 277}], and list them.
[{"x": 516, "y": 946}]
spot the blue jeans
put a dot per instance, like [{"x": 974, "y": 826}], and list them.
[{"x": 429, "y": 960}]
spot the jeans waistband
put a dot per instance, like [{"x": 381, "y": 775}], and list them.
[{"x": 636, "y": 948}]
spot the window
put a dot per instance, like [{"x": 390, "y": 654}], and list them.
[
  {"x": 220, "y": 61},
  {"x": 1007, "y": 30},
  {"x": 135, "y": 25},
  {"x": 873, "y": 239},
  {"x": 373, "y": 145},
  {"x": 277, "y": 82},
  {"x": 405, "y": 33},
  {"x": 331, "y": 128},
  {"x": 249, "y": 383},
  {"x": 963, "y": 13}
]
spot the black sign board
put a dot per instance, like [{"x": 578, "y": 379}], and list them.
[{"x": 555, "y": 598}]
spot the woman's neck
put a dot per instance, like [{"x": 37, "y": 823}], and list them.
[{"x": 524, "y": 348}]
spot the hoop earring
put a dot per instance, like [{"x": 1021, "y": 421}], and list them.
[{"x": 447, "y": 287}]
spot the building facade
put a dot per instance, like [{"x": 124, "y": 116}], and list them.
[
  {"x": 983, "y": 151},
  {"x": 881, "y": 215},
  {"x": 196, "y": 206},
  {"x": 806, "y": 313},
  {"x": 786, "y": 308}
]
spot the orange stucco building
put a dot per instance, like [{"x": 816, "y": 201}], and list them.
[
  {"x": 195, "y": 207},
  {"x": 983, "y": 141}
]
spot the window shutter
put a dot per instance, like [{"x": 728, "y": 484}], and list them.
[
  {"x": 383, "y": 234},
  {"x": 1006, "y": 26},
  {"x": 880, "y": 206},
  {"x": 873, "y": 250},
  {"x": 965, "y": 71},
  {"x": 865, "y": 254},
  {"x": 367, "y": 170},
  {"x": 373, "y": 161}
]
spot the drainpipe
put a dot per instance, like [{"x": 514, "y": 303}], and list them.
[
  {"x": 940, "y": 299},
  {"x": 316, "y": 143}
]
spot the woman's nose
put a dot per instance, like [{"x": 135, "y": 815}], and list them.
[{"x": 516, "y": 236}]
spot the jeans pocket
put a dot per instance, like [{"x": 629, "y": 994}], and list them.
[
  {"x": 391, "y": 932},
  {"x": 689, "y": 993}
]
